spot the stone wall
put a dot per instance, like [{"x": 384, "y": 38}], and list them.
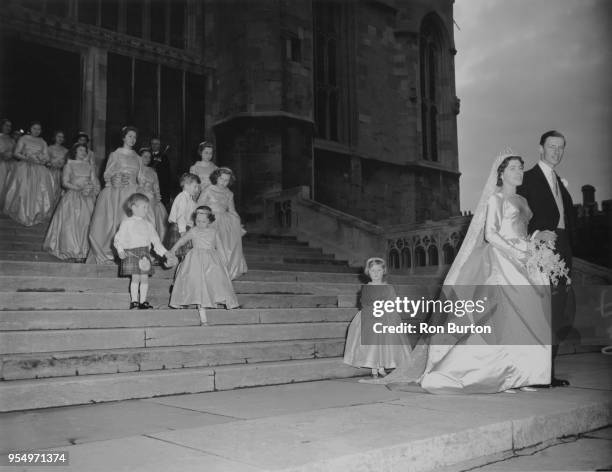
[{"x": 262, "y": 54}]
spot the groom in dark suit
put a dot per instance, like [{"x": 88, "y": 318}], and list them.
[{"x": 553, "y": 219}]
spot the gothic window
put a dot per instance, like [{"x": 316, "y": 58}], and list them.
[
  {"x": 419, "y": 256},
  {"x": 178, "y": 12},
  {"x": 394, "y": 260},
  {"x": 430, "y": 54},
  {"x": 160, "y": 100},
  {"x": 406, "y": 258},
  {"x": 58, "y": 8},
  {"x": 134, "y": 12},
  {"x": 449, "y": 254},
  {"x": 432, "y": 253},
  {"x": 158, "y": 21},
  {"x": 329, "y": 75}
]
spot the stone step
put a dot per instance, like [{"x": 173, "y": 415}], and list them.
[
  {"x": 96, "y": 362},
  {"x": 8, "y": 225},
  {"x": 284, "y": 274},
  {"x": 261, "y": 258},
  {"x": 92, "y": 319},
  {"x": 11, "y": 235},
  {"x": 34, "y": 256},
  {"x": 11, "y": 227},
  {"x": 159, "y": 290},
  {"x": 271, "y": 237},
  {"x": 20, "y": 342},
  {"x": 63, "y": 391},
  {"x": 22, "y": 283},
  {"x": 30, "y": 243},
  {"x": 120, "y": 301}
]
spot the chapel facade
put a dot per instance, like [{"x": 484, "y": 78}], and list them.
[{"x": 354, "y": 99}]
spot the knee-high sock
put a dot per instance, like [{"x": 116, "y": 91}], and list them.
[
  {"x": 134, "y": 291},
  {"x": 144, "y": 288}
]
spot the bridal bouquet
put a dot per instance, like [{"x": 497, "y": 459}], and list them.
[{"x": 543, "y": 259}]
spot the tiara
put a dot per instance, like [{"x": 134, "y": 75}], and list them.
[
  {"x": 506, "y": 152},
  {"x": 374, "y": 259}
]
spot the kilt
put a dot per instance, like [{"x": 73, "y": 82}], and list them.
[
  {"x": 172, "y": 236},
  {"x": 129, "y": 265}
]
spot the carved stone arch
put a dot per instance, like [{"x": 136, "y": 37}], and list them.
[
  {"x": 432, "y": 255},
  {"x": 449, "y": 253},
  {"x": 420, "y": 256},
  {"x": 394, "y": 261}
]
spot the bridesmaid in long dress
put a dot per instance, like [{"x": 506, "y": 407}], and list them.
[
  {"x": 150, "y": 187},
  {"x": 67, "y": 234},
  {"x": 57, "y": 159},
  {"x": 122, "y": 177},
  {"x": 30, "y": 191},
  {"x": 7, "y": 144},
  {"x": 83, "y": 138},
  {"x": 204, "y": 167},
  {"x": 221, "y": 200}
]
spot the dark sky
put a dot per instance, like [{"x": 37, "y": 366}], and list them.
[{"x": 524, "y": 67}]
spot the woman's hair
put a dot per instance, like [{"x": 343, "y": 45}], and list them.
[
  {"x": 56, "y": 132},
  {"x": 504, "y": 164},
  {"x": 73, "y": 150},
  {"x": 374, "y": 261},
  {"x": 142, "y": 150},
  {"x": 215, "y": 174},
  {"x": 203, "y": 209},
  {"x": 133, "y": 199},
  {"x": 35, "y": 122},
  {"x": 188, "y": 178},
  {"x": 4, "y": 121},
  {"x": 203, "y": 145},
  {"x": 81, "y": 134},
  {"x": 126, "y": 129}
]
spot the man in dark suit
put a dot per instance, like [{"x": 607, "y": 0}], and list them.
[
  {"x": 161, "y": 163},
  {"x": 553, "y": 219}
]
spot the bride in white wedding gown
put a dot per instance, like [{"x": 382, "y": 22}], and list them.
[{"x": 491, "y": 264}]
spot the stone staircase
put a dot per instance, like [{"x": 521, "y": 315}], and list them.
[{"x": 66, "y": 337}]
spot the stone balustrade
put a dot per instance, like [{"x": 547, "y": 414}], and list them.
[
  {"x": 421, "y": 249},
  {"x": 412, "y": 247},
  {"x": 292, "y": 212},
  {"x": 415, "y": 248}
]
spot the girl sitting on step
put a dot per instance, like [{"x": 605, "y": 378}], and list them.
[
  {"x": 376, "y": 351},
  {"x": 202, "y": 278},
  {"x": 133, "y": 243}
]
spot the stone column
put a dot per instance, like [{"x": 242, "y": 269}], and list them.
[{"x": 93, "y": 112}]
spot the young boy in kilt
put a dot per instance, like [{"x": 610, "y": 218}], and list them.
[{"x": 133, "y": 243}]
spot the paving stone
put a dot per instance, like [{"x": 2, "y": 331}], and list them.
[
  {"x": 260, "y": 402},
  {"x": 44, "y": 393},
  {"x": 146, "y": 454},
  {"x": 87, "y": 423}
]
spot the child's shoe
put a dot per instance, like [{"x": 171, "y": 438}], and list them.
[
  {"x": 145, "y": 306},
  {"x": 134, "y": 305}
]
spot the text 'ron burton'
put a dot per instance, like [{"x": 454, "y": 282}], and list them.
[{"x": 425, "y": 328}]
